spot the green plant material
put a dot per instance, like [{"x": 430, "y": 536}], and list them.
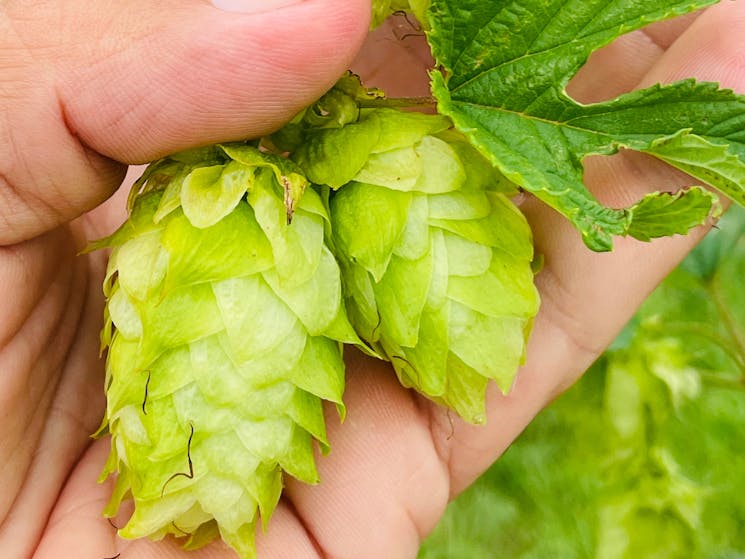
[
  {"x": 382, "y": 9},
  {"x": 224, "y": 326},
  {"x": 643, "y": 457},
  {"x": 423, "y": 229},
  {"x": 505, "y": 70},
  {"x": 338, "y": 107},
  {"x": 662, "y": 214}
]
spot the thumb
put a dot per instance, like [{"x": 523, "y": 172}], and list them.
[
  {"x": 187, "y": 72},
  {"x": 90, "y": 89}
]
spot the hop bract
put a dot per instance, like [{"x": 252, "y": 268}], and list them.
[
  {"x": 436, "y": 259},
  {"x": 223, "y": 332}
]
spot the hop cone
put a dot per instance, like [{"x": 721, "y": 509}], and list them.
[
  {"x": 223, "y": 332},
  {"x": 436, "y": 260}
]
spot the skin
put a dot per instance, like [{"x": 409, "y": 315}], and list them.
[{"x": 83, "y": 94}]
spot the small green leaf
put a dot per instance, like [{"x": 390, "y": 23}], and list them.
[
  {"x": 288, "y": 176},
  {"x": 142, "y": 264},
  {"x": 124, "y": 314},
  {"x": 425, "y": 365},
  {"x": 320, "y": 370},
  {"x": 442, "y": 170},
  {"x": 181, "y": 316},
  {"x": 662, "y": 215},
  {"x": 509, "y": 284},
  {"x": 465, "y": 391},
  {"x": 460, "y": 205}
]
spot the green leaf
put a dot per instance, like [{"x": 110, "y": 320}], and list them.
[
  {"x": 425, "y": 365},
  {"x": 661, "y": 215},
  {"x": 505, "y": 72},
  {"x": 142, "y": 264},
  {"x": 321, "y": 355},
  {"x": 460, "y": 205},
  {"x": 414, "y": 240},
  {"x": 487, "y": 345},
  {"x": 400, "y": 129},
  {"x": 466, "y": 258},
  {"x": 397, "y": 169},
  {"x": 715, "y": 164},
  {"x": 182, "y": 316}
]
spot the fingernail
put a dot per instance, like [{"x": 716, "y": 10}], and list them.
[{"x": 252, "y": 6}]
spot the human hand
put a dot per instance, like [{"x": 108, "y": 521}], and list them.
[{"x": 397, "y": 459}]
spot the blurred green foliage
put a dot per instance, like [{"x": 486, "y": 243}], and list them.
[{"x": 645, "y": 456}]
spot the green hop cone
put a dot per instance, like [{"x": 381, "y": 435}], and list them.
[
  {"x": 224, "y": 326},
  {"x": 436, "y": 259}
]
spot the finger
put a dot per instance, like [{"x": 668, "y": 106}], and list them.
[
  {"x": 148, "y": 79},
  {"x": 588, "y": 297}
]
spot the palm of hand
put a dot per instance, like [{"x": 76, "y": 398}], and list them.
[{"x": 397, "y": 459}]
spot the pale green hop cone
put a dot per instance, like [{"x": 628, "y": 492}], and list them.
[
  {"x": 224, "y": 326},
  {"x": 436, "y": 259}
]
